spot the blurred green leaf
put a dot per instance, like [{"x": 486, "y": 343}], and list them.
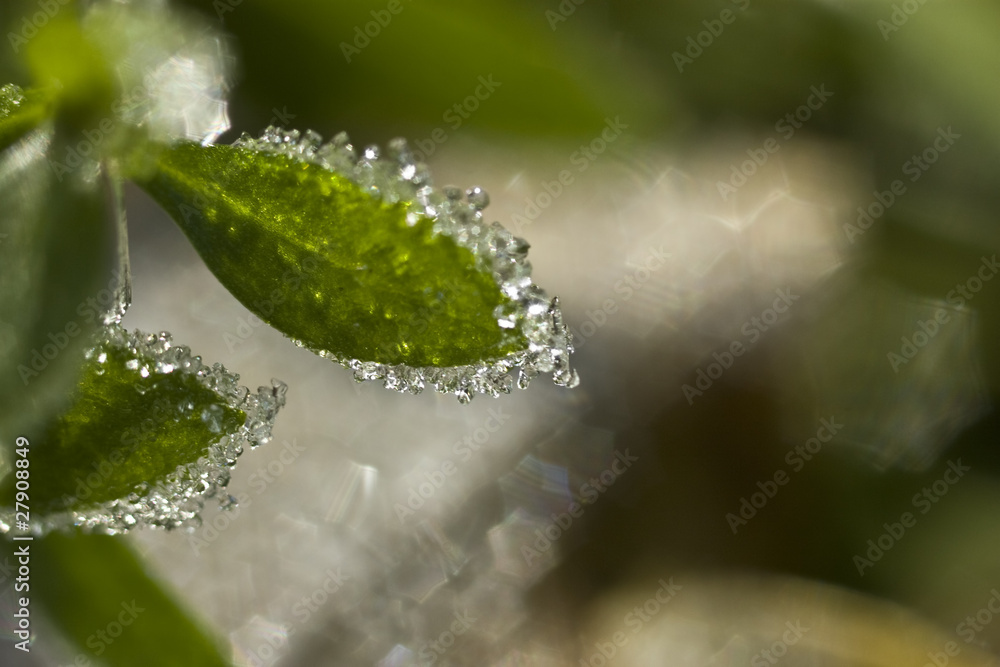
[
  {"x": 328, "y": 264},
  {"x": 95, "y": 590},
  {"x": 427, "y": 58},
  {"x": 62, "y": 246},
  {"x": 60, "y": 263}
]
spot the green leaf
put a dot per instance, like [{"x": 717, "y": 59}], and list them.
[
  {"x": 361, "y": 260},
  {"x": 21, "y": 111},
  {"x": 86, "y": 583},
  {"x": 339, "y": 269},
  {"x": 63, "y": 271},
  {"x": 150, "y": 432},
  {"x": 111, "y": 403}
]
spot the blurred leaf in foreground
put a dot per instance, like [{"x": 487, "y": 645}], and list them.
[
  {"x": 405, "y": 66},
  {"x": 94, "y": 589},
  {"x": 60, "y": 281}
]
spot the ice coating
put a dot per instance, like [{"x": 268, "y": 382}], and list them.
[
  {"x": 176, "y": 500},
  {"x": 398, "y": 176}
]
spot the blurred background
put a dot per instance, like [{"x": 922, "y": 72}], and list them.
[{"x": 772, "y": 229}]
